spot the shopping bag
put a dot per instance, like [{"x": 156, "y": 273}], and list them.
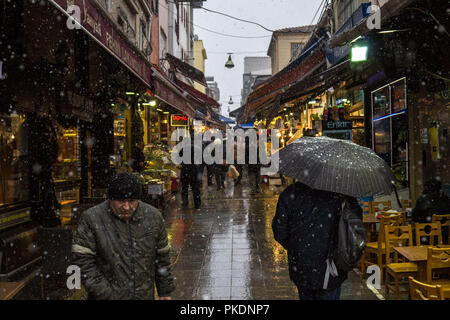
[{"x": 233, "y": 171}]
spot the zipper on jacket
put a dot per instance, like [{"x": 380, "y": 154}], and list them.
[{"x": 133, "y": 272}]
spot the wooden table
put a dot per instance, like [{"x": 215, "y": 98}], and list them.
[{"x": 418, "y": 255}]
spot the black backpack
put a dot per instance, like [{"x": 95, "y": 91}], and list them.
[{"x": 351, "y": 242}]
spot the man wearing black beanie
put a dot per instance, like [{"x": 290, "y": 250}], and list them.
[{"x": 121, "y": 246}]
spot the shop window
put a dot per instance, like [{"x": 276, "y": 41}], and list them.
[
  {"x": 66, "y": 168},
  {"x": 390, "y": 128},
  {"x": 14, "y": 153}
]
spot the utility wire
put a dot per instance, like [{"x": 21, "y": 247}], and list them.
[
  {"x": 243, "y": 20},
  {"x": 216, "y": 32},
  {"x": 229, "y": 35}
]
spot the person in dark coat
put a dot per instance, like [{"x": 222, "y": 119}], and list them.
[
  {"x": 304, "y": 221},
  {"x": 121, "y": 246},
  {"x": 191, "y": 176},
  {"x": 431, "y": 202},
  {"x": 253, "y": 169}
]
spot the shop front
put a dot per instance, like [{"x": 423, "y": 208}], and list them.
[{"x": 390, "y": 128}]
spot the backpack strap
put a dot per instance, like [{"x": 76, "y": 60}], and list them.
[{"x": 331, "y": 267}]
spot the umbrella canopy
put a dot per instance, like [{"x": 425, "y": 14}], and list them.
[{"x": 335, "y": 165}]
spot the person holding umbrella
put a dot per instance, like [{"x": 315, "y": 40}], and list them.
[{"x": 332, "y": 173}]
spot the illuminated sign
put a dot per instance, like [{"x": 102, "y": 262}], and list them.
[{"x": 179, "y": 120}]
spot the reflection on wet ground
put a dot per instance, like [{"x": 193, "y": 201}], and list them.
[{"x": 226, "y": 250}]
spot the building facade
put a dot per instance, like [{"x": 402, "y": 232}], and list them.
[
  {"x": 254, "y": 68},
  {"x": 285, "y": 45}
]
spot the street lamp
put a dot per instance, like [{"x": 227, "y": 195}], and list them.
[
  {"x": 229, "y": 64},
  {"x": 231, "y": 100}
]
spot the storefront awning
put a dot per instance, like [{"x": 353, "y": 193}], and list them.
[
  {"x": 226, "y": 120},
  {"x": 105, "y": 33},
  {"x": 198, "y": 94},
  {"x": 186, "y": 69},
  {"x": 168, "y": 92},
  {"x": 312, "y": 59}
]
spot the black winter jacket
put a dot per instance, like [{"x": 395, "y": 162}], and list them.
[
  {"x": 122, "y": 260},
  {"x": 304, "y": 221}
]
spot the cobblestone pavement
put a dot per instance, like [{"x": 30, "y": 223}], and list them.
[{"x": 226, "y": 249}]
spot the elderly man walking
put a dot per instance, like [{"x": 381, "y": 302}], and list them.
[{"x": 121, "y": 246}]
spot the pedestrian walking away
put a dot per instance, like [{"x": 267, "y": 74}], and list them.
[
  {"x": 191, "y": 176},
  {"x": 121, "y": 246},
  {"x": 305, "y": 224}
]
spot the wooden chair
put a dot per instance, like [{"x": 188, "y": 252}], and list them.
[
  {"x": 444, "y": 220},
  {"x": 378, "y": 248},
  {"x": 422, "y": 291},
  {"x": 366, "y": 207},
  {"x": 429, "y": 230},
  {"x": 406, "y": 204},
  {"x": 438, "y": 264},
  {"x": 378, "y": 206},
  {"x": 396, "y": 236}
]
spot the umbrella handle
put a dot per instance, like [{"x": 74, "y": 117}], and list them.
[{"x": 396, "y": 195}]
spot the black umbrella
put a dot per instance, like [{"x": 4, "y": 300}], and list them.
[{"x": 335, "y": 165}]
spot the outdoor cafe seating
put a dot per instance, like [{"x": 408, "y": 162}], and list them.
[
  {"x": 424, "y": 291},
  {"x": 405, "y": 254}
]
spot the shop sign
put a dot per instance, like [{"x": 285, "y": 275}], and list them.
[
  {"x": 82, "y": 107},
  {"x": 179, "y": 120},
  {"x": 337, "y": 125},
  {"x": 424, "y": 135}
]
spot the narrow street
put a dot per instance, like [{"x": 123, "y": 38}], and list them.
[{"x": 226, "y": 249}]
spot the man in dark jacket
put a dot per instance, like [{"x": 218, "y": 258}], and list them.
[
  {"x": 304, "y": 221},
  {"x": 432, "y": 201},
  {"x": 121, "y": 246}
]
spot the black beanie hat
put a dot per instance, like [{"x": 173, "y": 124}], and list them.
[{"x": 125, "y": 185}]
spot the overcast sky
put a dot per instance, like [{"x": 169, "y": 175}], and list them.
[{"x": 272, "y": 14}]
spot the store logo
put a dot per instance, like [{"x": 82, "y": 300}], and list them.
[
  {"x": 74, "y": 20},
  {"x": 2, "y": 75},
  {"x": 233, "y": 151}
]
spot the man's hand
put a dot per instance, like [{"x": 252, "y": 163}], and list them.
[{"x": 165, "y": 298}]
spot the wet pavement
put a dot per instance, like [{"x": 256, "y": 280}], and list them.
[{"x": 226, "y": 250}]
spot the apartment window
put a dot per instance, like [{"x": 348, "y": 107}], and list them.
[
  {"x": 296, "y": 47},
  {"x": 346, "y": 9}
]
